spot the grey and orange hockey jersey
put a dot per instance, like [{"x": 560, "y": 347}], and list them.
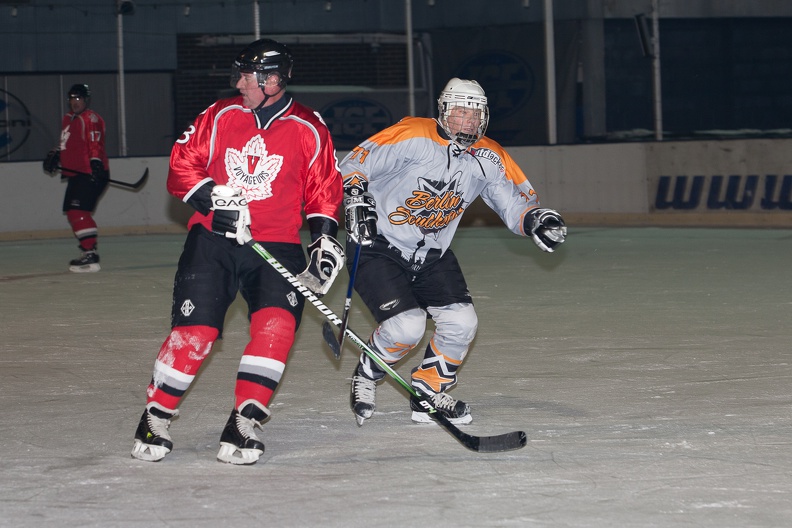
[{"x": 423, "y": 184}]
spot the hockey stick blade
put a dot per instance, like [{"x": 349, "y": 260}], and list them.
[
  {"x": 138, "y": 184},
  {"x": 330, "y": 338},
  {"x": 484, "y": 444},
  {"x": 135, "y": 185},
  {"x": 481, "y": 444}
]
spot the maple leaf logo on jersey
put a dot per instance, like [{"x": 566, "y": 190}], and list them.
[
  {"x": 65, "y": 135},
  {"x": 253, "y": 169}
]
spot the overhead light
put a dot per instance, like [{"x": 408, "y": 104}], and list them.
[
  {"x": 13, "y": 11},
  {"x": 126, "y": 7},
  {"x": 328, "y": 5},
  {"x": 187, "y": 10}
]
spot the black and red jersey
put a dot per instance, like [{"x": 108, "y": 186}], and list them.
[
  {"x": 282, "y": 167},
  {"x": 82, "y": 140}
]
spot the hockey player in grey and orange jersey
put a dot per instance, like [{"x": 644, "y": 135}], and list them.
[{"x": 405, "y": 191}]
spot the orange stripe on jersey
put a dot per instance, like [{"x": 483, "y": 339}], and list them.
[
  {"x": 513, "y": 171},
  {"x": 400, "y": 349},
  {"x": 412, "y": 127},
  {"x": 409, "y": 128}
]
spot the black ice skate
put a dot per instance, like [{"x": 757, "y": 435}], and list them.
[
  {"x": 361, "y": 396},
  {"x": 87, "y": 263},
  {"x": 457, "y": 411},
  {"x": 239, "y": 443},
  {"x": 152, "y": 440}
]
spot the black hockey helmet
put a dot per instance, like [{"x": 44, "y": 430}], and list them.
[
  {"x": 264, "y": 57},
  {"x": 79, "y": 90}
]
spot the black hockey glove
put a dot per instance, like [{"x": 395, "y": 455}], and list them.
[
  {"x": 99, "y": 175},
  {"x": 52, "y": 162},
  {"x": 326, "y": 260},
  {"x": 361, "y": 216},
  {"x": 231, "y": 217},
  {"x": 546, "y": 227}
]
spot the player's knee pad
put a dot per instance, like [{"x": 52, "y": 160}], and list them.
[
  {"x": 178, "y": 361},
  {"x": 271, "y": 333},
  {"x": 455, "y": 328},
  {"x": 82, "y": 224},
  {"x": 399, "y": 334},
  {"x": 264, "y": 359},
  {"x": 79, "y": 218},
  {"x": 188, "y": 342},
  {"x": 75, "y": 215}
]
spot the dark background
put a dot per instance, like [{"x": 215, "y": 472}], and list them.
[{"x": 722, "y": 75}]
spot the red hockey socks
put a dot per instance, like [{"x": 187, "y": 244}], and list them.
[
  {"x": 178, "y": 361},
  {"x": 260, "y": 370},
  {"x": 84, "y": 228}
]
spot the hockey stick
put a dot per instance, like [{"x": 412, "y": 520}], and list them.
[
  {"x": 327, "y": 331},
  {"x": 481, "y": 444},
  {"x": 135, "y": 185}
]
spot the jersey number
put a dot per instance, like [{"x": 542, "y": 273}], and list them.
[
  {"x": 360, "y": 153},
  {"x": 186, "y": 135}
]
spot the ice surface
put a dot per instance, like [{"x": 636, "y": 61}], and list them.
[{"x": 650, "y": 368}]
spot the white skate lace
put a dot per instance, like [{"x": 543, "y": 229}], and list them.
[
  {"x": 364, "y": 389},
  {"x": 159, "y": 426},
  {"x": 246, "y": 427},
  {"x": 443, "y": 401}
]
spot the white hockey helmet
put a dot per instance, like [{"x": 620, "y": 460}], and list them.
[{"x": 466, "y": 94}]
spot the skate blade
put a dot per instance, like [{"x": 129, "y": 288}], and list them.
[
  {"x": 425, "y": 418},
  {"x": 149, "y": 453},
  {"x": 233, "y": 455},
  {"x": 88, "y": 268}
]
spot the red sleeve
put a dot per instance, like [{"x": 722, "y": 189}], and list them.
[
  {"x": 323, "y": 187},
  {"x": 95, "y": 137},
  {"x": 191, "y": 154}
]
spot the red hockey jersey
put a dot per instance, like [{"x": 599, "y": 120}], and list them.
[
  {"x": 82, "y": 140},
  {"x": 280, "y": 166}
]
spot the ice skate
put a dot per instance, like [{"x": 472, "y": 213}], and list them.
[
  {"x": 152, "y": 439},
  {"x": 361, "y": 397},
  {"x": 87, "y": 263},
  {"x": 457, "y": 411},
  {"x": 239, "y": 443}
]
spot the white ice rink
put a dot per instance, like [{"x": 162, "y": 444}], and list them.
[{"x": 650, "y": 368}]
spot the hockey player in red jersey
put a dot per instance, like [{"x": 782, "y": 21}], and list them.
[
  {"x": 250, "y": 166},
  {"x": 406, "y": 189},
  {"x": 82, "y": 153}
]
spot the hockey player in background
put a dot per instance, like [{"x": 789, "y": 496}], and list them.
[
  {"x": 82, "y": 154},
  {"x": 405, "y": 191},
  {"x": 249, "y": 165}
]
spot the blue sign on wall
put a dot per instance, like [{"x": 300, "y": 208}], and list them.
[
  {"x": 351, "y": 120},
  {"x": 15, "y": 123}
]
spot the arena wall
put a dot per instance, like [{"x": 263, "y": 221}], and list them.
[{"x": 737, "y": 183}]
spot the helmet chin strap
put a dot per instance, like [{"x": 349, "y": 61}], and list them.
[
  {"x": 267, "y": 97},
  {"x": 465, "y": 140}
]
